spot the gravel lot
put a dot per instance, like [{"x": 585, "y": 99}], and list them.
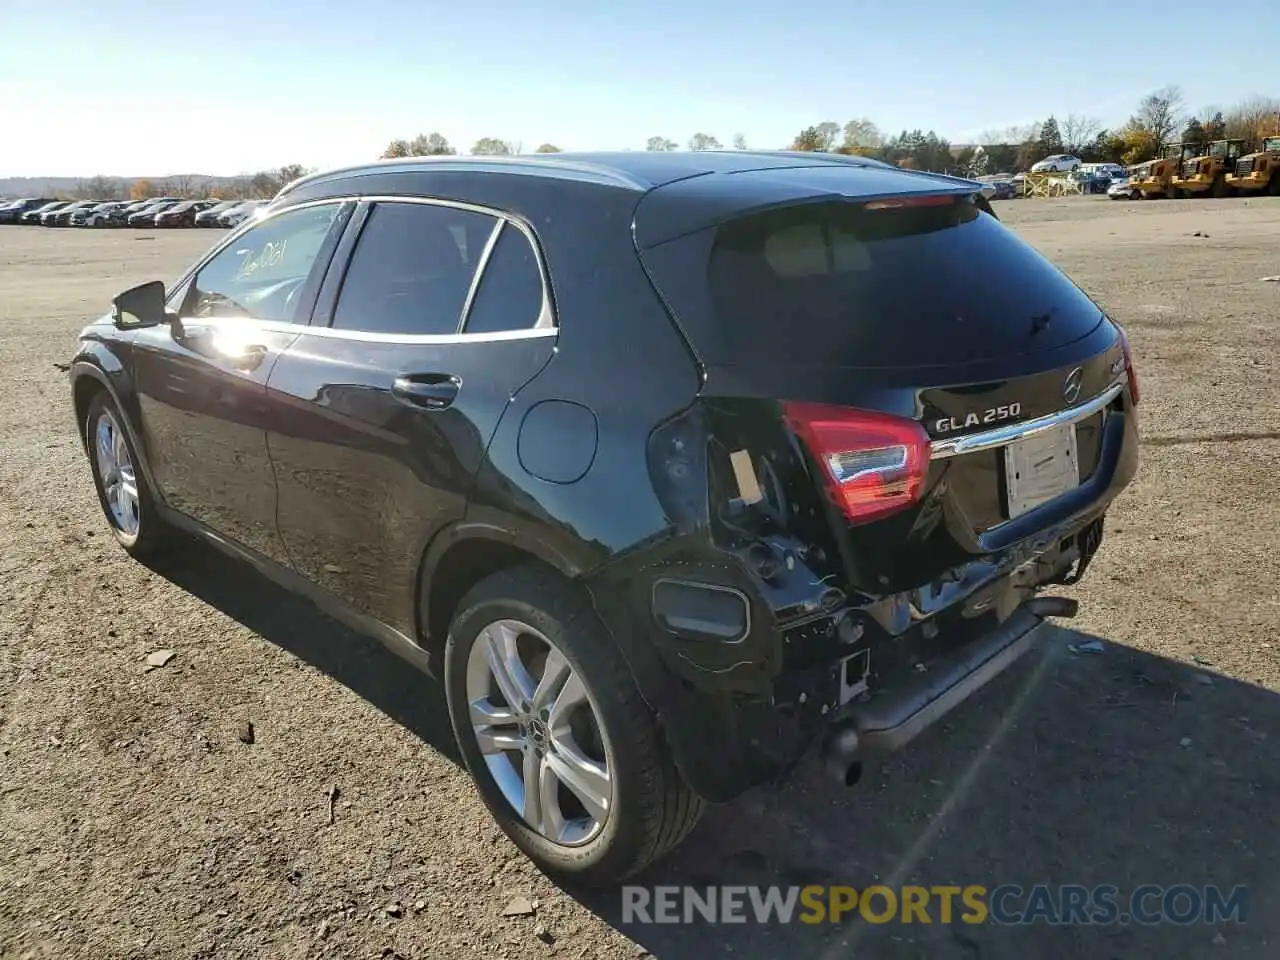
[{"x": 134, "y": 822}]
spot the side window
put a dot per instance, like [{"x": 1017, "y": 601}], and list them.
[
  {"x": 510, "y": 293},
  {"x": 412, "y": 269},
  {"x": 261, "y": 274}
]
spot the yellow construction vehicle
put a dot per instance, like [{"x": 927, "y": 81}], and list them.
[
  {"x": 1157, "y": 179},
  {"x": 1259, "y": 171},
  {"x": 1206, "y": 174}
]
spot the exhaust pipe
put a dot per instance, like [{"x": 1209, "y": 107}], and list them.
[
  {"x": 840, "y": 756},
  {"x": 1053, "y": 607}
]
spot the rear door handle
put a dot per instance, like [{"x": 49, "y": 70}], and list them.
[{"x": 431, "y": 391}]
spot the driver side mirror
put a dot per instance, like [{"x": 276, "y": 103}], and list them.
[{"x": 140, "y": 306}]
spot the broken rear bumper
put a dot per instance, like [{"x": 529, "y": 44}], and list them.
[{"x": 893, "y": 719}]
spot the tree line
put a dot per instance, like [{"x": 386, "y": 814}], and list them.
[
  {"x": 1161, "y": 117},
  {"x": 262, "y": 185}
]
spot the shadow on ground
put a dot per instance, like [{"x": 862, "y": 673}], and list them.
[
  {"x": 294, "y": 624},
  {"x": 1117, "y": 768},
  {"x": 1080, "y": 768}
]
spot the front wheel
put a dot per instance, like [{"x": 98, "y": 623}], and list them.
[
  {"x": 123, "y": 493},
  {"x": 566, "y": 755}
]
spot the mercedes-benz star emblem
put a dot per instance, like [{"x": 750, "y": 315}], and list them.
[{"x": 1071, "y": 386}]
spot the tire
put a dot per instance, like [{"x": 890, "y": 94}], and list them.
[
  {"x": 1135, "y": 195},
  {"x": 135, "y": 522},
  {"x": 650, "y": 808},
  {"x": 1220, "y": 187},
  {"x": 1273, "y": 187}
]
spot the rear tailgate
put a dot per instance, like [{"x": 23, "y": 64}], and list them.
[{"x": 928, "y": 311}]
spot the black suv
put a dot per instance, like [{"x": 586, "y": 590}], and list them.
[{"x": 668, "y": 466}]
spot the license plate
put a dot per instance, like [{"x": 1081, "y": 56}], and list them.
[{"x": 1041, "y": 467}]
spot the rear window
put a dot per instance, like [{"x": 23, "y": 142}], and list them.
[{"x": 840, "y": 284}]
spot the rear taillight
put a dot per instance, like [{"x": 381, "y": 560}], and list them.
[
  {"x": 1128, "y": 363},
  {"x": 873, "y": 464}
]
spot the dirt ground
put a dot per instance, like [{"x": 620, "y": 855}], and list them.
[{"x": 134, "y": 822}]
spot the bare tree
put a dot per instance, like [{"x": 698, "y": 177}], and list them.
[
  {"x": 1253, "y": 119},
  {"x": 704, "y": 141},
  {"x": 739, "y": 141},
  {"x": 1014, "y": 133},
  {"x": 493, "y": 147},
  {"x": 660, "y": 145},
  {"x": 1160, "y": 113},
  {"x": 1078, "y": 131},
  {"x": 862, "y": 133},
  {"x": 181, "y": 185},
  {"x": 101, "y": 188},
  {"x": 827, "y": 133}
]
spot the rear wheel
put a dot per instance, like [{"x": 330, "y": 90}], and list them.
[
  {"x": 1274, "y": 187},
  {"x": 564, "y": 752},
  {"x": 1220, "y": 186}
]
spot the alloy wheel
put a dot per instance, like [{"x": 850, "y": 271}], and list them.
[
  {"x": 116, "y": 474},
  {"x": 539, "y": 732}
]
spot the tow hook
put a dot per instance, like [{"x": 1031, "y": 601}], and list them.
[{"x": 1053, "y": 607}]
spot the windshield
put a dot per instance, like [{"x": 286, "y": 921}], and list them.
[{"x": 1271, "y": 144}]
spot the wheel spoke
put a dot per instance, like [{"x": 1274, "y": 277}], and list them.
[
  {"x": 554, "y": 674},
  {"x": 587, "y": 779},
  {"x": 504, "y": 663},
  {"x": 486, "y": 713},
  {"x": 553, "y": 822},
  {"x": 572, "y": 694},
  {"x": 106, "y": 450},
  {"x": 497, "y": 740},
  {"x": 532, "y": 770}
]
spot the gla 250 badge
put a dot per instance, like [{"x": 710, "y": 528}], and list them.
[{"x": 978, "y": 417}]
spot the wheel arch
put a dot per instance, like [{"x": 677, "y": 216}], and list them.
[
  {"x": 88, "y": 379},
  {"x": 461, "y": 556}
]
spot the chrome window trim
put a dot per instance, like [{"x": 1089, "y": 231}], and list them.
[
  {"x": 545, "y": 326},
  {"x": 1000, "y": 436},
  {"x": 546, "y": 314},
  {"x": 478, "y": 274},
  {"x": 279, "y": 326}
]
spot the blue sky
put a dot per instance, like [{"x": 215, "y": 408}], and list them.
[{"x": 164, "y": 86}]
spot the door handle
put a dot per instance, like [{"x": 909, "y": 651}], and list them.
[
  {"x": 431, "y": 391},
  {"x": 248, "y": 357}
]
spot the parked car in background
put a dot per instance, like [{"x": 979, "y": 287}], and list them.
[
  {"x": 35, "y": 213},
  {"x": 182, "y": 214},
  {"x": 209, "y": 218},
  {"x": 12, "y": 211},
  {"x": 1123, "y": 188},
  {"x": 653, "y": 543},
  {"x": 1058, "y": 163},
  {"x": 146, "y": 217},
  {"x": 61, "y": 217},
  {"x": 240, "y": 212},
  {"x": 97, "y": 216},
  {"x": 1109, "y": 170}
]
